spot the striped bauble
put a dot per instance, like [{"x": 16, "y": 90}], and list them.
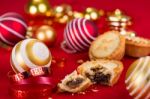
[
  {"x": 138, "y": 78},
  {"x": 12, "y": 28},
  {"x": 30, "y": 53},
  {"x": 78, "y": 35}
]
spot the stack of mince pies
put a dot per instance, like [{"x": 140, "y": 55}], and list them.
[
  {"x": 113, "y": 45},
  {"x": 104, "y": 66}
]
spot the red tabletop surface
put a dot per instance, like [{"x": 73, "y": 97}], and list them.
[{"x": 137, "y": 9}]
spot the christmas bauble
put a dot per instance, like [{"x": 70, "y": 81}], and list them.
[
  {"x": 138, "y": 78},
  {"x": 78, "y": 35},
  {"x": 62, "y": 9},
  {"x": 12, "y": 28},
  {"x": 30, "y": 53},
  {"x": 62, "y": 13},
  {"x": 46, "y": 34},
  {"x": 93, "y": 14},
  {"x": 77, "y": 14},
  {"x": 38, "y": 7}
]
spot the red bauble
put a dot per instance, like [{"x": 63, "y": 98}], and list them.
[
  {"x": 12, "y": 28},
  {"x": 78, "y": 35}
]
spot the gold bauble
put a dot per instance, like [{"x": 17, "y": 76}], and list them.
[
  {"x": 62, "y": 13},
  {"x": 29, "y": 32},
  {"x": 63, "y": 19},
  {"x": 46, "y": 34},
  {"x": 38, "y": 7},
  {"x": 91, "y": 13},
  {"x": 28, "y": 54},
  {"x": 138, "y": 78},
  {"x": 60, "y": 10},
  {"x": 77, "y": 14}
]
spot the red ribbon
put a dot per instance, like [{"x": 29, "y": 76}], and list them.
[
  {"x": 32, "y": 86},
  {"x": 40, "y": 71}
]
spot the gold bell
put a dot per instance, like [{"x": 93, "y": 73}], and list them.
[
  {"x": 120, "y": 22},
  {"x": 38, "y": 7}
]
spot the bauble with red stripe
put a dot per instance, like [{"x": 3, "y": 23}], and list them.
[
  {"x": 78, "y": 35},
  {"x": 12, "y": 28}
]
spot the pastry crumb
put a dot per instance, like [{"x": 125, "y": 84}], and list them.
[
  {"x": 80, "y": 61},
  {"x": 94, "y": 90}
]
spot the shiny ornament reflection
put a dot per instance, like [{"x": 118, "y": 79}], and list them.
[
  {"x": 62, "y": 13},
  {"x": 38, "y": 7},
  {"x": 120, "y": 22},
  {"x": 29, "y": 32},
  {"x": 77, "y": 14},
  {"x": 92, "y": 13},
  {"x": 86, "y": 35},
  {"x": 46, "y": 34},
  {"x": 12, "y": 28},
  {"x": 28, "y": 54},
  {"x": 138, "y": 78},
  {"x": 118, "y": 16}
]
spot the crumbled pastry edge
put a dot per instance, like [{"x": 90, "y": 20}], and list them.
[
  {"x": 116, "y": 71},
  {"x": 62, "y": 83},
  {"x": 131, "y": 41}
]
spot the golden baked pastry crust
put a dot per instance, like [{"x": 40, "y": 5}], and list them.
[
  {"x": 102, "y": 71},
  {"x": 137, "y": 47},
  {"x": 112, "y": 67},
  {"x": 116, "y": 54},
  {"x": 64, "y": 86}
]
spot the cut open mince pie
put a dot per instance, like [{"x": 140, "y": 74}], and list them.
[
  {"x": 74, "y": 83},
  {"x": 110, "y": 45},
  {"x": 103, "y": 71},
  {"x": 106, "y": 72},
  {"x": 137, "y": 46}
]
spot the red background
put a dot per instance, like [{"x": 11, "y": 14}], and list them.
[{"x": 137, "y": 9}]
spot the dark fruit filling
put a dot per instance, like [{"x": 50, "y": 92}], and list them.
[
  {"x": 74, "y": 83},
  {"x": 99, "y": 76},
  {"x": 97, "y": 69}
]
